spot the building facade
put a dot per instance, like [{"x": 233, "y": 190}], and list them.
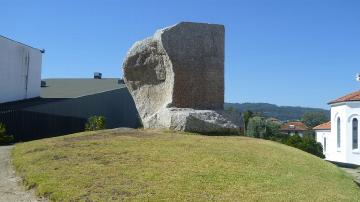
[
  {"x": 20, "y": 71},
  {"x": 322, "y": 133},
  {"x": 65, "y": 105},
  {"x": 340, "y": 137}
]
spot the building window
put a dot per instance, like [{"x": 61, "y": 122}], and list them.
[
  {"x": 355, "y": 133},
  {"x": 324, "y": 144},
  {"x": 338, "y": 133}
]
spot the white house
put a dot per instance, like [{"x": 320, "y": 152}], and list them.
[
  {"x": 340, "y": 137},
  {"x": 20, "y": 70}
]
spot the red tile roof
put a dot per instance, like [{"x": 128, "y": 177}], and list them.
[
  {"x": 324, "y": 126},
  {"x": 294, "y": 126},
  {"x": 354, "y": 96}
]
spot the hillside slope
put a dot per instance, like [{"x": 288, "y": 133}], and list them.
[
  {"x": 283, "y": 113},
  {"x": 125, "y": 164}
]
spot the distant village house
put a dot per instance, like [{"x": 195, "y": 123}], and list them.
[{"x": 294, "y": 128}]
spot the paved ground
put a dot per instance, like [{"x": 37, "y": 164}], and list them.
[
  {"x": 355, "y": 172},
  {"x": 10, "y": 189}
]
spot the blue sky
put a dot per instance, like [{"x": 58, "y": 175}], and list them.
[{"x": 294, "y": 53}]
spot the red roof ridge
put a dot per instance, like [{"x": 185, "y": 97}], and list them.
[
  {"x": 354, "y": 96},
  {"x": 323, "y": 126}
]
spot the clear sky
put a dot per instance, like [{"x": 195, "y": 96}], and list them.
[{"x": 294, "y": 53}]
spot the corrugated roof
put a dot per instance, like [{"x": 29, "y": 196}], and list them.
[
  {"x": 354, "y": 96},
  {"x": 72, "y": 88},
  {"x": 324, "y": 126}
]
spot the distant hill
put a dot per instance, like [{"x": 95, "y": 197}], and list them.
[{"x": 282, "y": 113}]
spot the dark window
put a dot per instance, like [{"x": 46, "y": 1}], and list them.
[
  {"x": 324, "y": 144},
  {"x": 355, "y": 133},
  {"x": 338, "y": 132}
]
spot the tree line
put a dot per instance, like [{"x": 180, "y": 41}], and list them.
[{"x": 256, "y": 126}]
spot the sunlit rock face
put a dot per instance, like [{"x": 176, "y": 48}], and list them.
[{"x": 176, "y": 78}]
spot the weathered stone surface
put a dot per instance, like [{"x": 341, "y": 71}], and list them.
[
  {"x": 186, "y": 119},
  {"x": 181, "y": 66},
  {"x": 149, "y": 77},
  {"x": 196, "y": 51}
]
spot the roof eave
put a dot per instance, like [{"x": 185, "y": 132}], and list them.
[
  {"x": 322, "y": 129},
  {"x": 294, "y": 129},
  {"x": 41, "y": 50},
  {"x": 341, "y": 102}
]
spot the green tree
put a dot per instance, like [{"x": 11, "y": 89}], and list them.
[
  {"x": 294, "y": 141},
  {"x": 256, "y": 127},
  {"x": 95, "y": 123},
  {"x": 246, "y": 117},
  {"x": 307, "y": 144},
  {"x": 311, "y": 146},
  {"x": 4, "y": 137},
  {"x": 272, "y": 130},
  {"x": 312, "y": 119},
  {"x": 260, "y": 128}
]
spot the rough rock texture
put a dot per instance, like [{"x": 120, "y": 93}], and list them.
[
  {"x": 186, "y": 119},
  {"x": 176, "y": 78}
]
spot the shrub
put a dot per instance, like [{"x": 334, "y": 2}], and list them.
[
  {"x": 5, "y": 138},
  {"x": 294, "y": 141},
  {"x": 310, "y": 145},
  {"x": 95, "y": 123},
  {"x": 272, "y": 130},
  {"x": 306, "y": 143}
]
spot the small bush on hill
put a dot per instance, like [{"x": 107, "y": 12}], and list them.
[
  {"x": 5, "y": 138},
  {"x": 272, "y": 130},
  {"x": 310, "y": 145},
  {"x": 95, "y": 123},
  {"x": 306, "y": 143}
]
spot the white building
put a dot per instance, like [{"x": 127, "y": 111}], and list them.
[
  {"x": 20, "y": 71},
  {"x": 340, "y": 136}
]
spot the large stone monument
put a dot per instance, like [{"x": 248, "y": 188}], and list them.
[{"x": 176, "y": 78}]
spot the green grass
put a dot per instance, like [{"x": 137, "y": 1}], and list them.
[{"x": 154, "y": 165}]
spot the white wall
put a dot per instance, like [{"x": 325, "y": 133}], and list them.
[
  {"x": 320, "y": 135},
  {"x": 20, "y": 71},
  {"x": 346, "y": 112}
]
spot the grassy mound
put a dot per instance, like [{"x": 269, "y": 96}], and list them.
[{"x": 123, "y": 164}]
